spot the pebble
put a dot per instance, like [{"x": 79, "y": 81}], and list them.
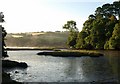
[{"x": 16, "y": 72}]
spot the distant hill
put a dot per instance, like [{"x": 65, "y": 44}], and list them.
[{"x": 37, "y": 39}]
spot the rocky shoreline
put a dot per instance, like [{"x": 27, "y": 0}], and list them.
[
  {"x": 6, "y": 79},
  {"x": 13, "y": 64}
]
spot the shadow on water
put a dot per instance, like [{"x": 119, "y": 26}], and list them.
[
  {"x": 89, "y": 69},
  {"x": 114, "y": 60},
  {"x": 71, "y": 69}
]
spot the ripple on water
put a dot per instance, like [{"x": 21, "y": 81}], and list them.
[{"x": 52, "y": 69}]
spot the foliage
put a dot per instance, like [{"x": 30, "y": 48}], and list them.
[
  {"x": 1, "y": 17},
  {"x": 71, "y": 53},
  {"x": 101, "y": 30},
  {"x": 114, "y": 42},
  {"x": 4, "y": 33},
  {"x": 73, "y": 32}
]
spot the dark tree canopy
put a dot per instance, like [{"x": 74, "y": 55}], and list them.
[
  {"x": 100, "y": 31},
  {"x": 73, "y": 32},
  {"x": 4, "y": 33},
  {"x": 1, "y": 17}
]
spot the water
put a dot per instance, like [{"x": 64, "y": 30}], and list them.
[{"x": 60, "y": 69}]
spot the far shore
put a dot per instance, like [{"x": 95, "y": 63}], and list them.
[
  {"x": 29, "y": 48},
  {"x": 71, "y": 53},
  {"x": 54, "y": 49}
]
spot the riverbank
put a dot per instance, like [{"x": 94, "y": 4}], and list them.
[
  {"x": 6, "y": 79},
  {"x": 13, "y": 64},
  {"x": 29, "y": 48},
  {"x": 7, "y": 64},
  {"x": 70, "y": 53}
]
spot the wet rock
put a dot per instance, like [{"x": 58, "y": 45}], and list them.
[
  {"x": 7, "y": 80},
  {"x": 16, "y": 72},
  {"x": 13, "y": 64},
  {"x": 25, "y": 73},
  {"x": 22, "y": 64}
]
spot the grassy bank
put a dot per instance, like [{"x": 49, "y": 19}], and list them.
[{"x": 72, "y": 53}]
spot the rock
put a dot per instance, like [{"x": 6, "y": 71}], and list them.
[
  {"x": 16, "y": 72},
  {"x": 7, "y": 80},
  {"x": 13, "y": 64},
  {"x": 22, "y": 64}
]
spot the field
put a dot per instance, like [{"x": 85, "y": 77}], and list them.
[{"x": 37, "y": 39}]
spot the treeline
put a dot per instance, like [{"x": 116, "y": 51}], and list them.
[
  {"x": 100, "y": 31},
  {"x": 37, "y": 39}
]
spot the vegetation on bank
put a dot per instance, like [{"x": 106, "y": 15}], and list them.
[
  {"x": 71, "y": 53},
  {"x": 100, "y": 31}
]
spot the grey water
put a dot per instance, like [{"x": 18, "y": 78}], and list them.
[{"x": 60, "y": 69}]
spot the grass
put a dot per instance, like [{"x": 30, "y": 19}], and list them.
[
  {"x": 38, "y": 39},
  {"x": 72, "y": 53}
]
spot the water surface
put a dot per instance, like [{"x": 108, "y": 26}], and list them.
[{"x": 60, "y": 69}]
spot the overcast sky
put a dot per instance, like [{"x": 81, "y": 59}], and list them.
[{"x": 46, "y": 15}]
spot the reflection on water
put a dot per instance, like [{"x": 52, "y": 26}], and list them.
[
  {"x": 114, "y": 60},
  {"x": 60, "y": 69}
]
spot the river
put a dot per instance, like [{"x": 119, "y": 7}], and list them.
[{"x": 61, "y": 69}]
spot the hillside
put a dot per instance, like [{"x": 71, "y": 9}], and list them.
[{"x": 37, "y": 39}]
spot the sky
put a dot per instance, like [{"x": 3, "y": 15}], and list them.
[{"x": 46, "y": 15}]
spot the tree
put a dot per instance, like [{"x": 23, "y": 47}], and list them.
[
  {"x": 1, "y": 17},
  {"x": 114, "y": 42},
  {"x": 4, "y": 33},
  {"x": 81, "y": 40},
  {"x": 109, "y": 27},
  {"x": 107, "y": 10},
  {"x": 100, "y": 31},
  {"x": 73, "y": 32},
  {"x": 71, "y": 26},
  {"x": 116, "y": 6}
]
